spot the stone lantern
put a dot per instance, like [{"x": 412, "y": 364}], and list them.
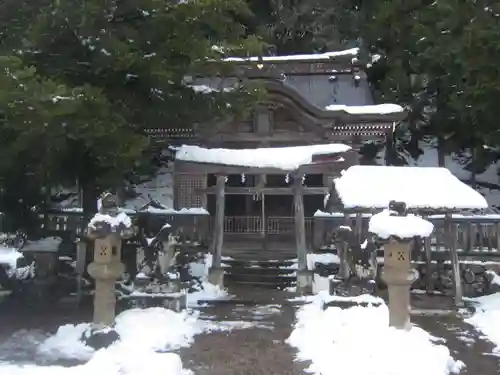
[
  {"x": 398, "y": 231},
  {"x": 107, "y": 229}
]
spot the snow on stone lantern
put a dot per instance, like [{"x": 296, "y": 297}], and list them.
[
  {"x": 107, "y": 229},
  {"x": 398, "y": 229}
]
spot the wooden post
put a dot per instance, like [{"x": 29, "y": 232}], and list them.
[
  {"x": 303, "y": 277},
  {"x": 216, "y": 273},
  {"x": 81, "y": 259},
  {"x": 359, "y": 227},
  {"x": 343, "y": 266},
  {"x": 451, "y": 239},
  {"x": 263, "y": 222},
  {"x": 389, "y": 149},
  {"x": 429, "y": 285},
  {"x": 318, "y": 232}
]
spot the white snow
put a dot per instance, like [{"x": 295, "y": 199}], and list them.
[
  {"x": 182, "y": 211},
  {"x": 209, "y": 292},
  {"x": 144, "y": 334},
  {"x": 284, "y": 158},
  {"x": 314, "y": 56},
  {"x": 489, "y": 180},
  {"x": 359, "y": 341},
  {"x": 487, "y": 318},
  {"x": 9, "y": 256},
  {"x": 367, "y": 187},
  {"x": 380, "y": 109},
  {"x": 324, "y": 258},
  {"x": 386, "y": 225},
  {"x": 121, "y": 219}
]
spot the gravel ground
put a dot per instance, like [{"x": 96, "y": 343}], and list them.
[
  {"x": 464, "y": 342},
  {"x": 257, "y": 349}
]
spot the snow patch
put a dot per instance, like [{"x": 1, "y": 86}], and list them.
[
  {"x": 120, "y": 220},
  {"x": 313, "y": 56},
  {"x": 145, "y": 335},
  {"x": 487, "y": 318},
  {"x": 284, "y": 158},
  {"x": 380, "y": 109},
  {"x": 9, "y": 256},
  {"x": 359, "y": 341},
  {"x": 385, "y": 225},
  {"x": 434, "y": 188}
]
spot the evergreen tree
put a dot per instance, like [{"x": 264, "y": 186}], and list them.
[
  {"x": 438, "y": 58},
  {"x": 110, "y": 69}
]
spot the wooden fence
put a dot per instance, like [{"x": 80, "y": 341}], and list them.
[{"x": 473, "y": 234}]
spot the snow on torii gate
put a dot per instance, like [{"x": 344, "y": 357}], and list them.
[
  {"x": 296, "y": 161},
  {"x": 425, "y": 190}
]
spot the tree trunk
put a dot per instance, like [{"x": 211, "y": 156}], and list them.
[
  {"x": 441, "y": 152},
  {"x": 90, "y": 195}
]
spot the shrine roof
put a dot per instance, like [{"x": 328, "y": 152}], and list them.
[
  {"x": 339, "y": 98},
  {"x": 279, "y": 158},
  {"x": 352, "y": 52},
  {"x": 421, "y": 188}
]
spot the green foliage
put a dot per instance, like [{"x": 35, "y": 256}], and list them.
[
  {"x": 439, "y": 58},
  {"x": 306, "y": 26},
  {"x": 45, "y": 125},
  {"x": 139, "y": 52},
  {"x": 91, "y": 75}
]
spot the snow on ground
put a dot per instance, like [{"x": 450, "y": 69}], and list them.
[
  {"x": 9, "y": 257},
  {"x": 147, "y": 339},
  {"x": 146, "y": 335},
  {"x": 208, "y": 291},
  {"x": 359, "y": 341},
  {"x": 486, "y": 318}
]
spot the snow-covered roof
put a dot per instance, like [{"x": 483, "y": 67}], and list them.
[
  {"x": 373, "y": 187},
  {"x": 284, "y": 158},
  {"x": 385, "y": 226},
  {"x": 379, "y": 109},
  {"x": 313, "y": 56},
  {"x": 120, "y": 221}
]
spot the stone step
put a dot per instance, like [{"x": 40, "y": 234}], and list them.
[
  {"x": 253, "y": 263},
  {"x": 264, "y": 256},
  {"x": 262, "y": 284},
  {"x": 260, "y": 279},
  {"x": 271, "y": 271}
]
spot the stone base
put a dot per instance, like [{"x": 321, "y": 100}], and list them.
[
  {"x": 304, "y": 281},
  {"x": 352, "y": 287},
  {"x": 100, "y": 337},
  {"x": 216, "y": 276},
  {"x": 176, "y": 301}
]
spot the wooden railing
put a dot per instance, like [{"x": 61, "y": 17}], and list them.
[
  {"x": 274, "y": 225},
  {"x": 471, "y": 233},
  {"x": 193, "y": 226},
  {"x": 242, "y": 224}
]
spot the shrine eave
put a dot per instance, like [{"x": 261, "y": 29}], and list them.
[
  {"x": 188, "y": 167},
  {"x": 279, "y": 93}
]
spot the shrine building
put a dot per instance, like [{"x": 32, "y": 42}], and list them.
[{"x": 319, "y": 111}]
